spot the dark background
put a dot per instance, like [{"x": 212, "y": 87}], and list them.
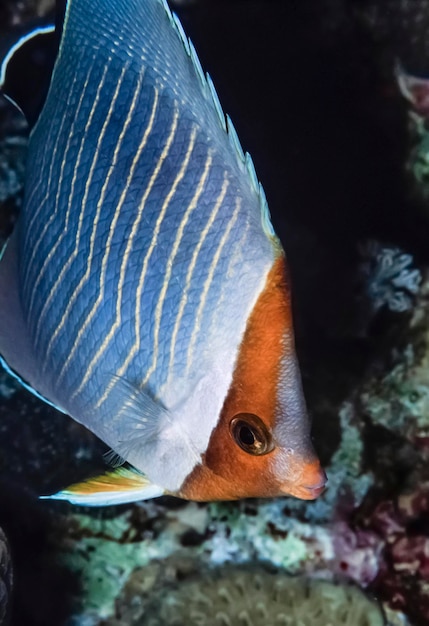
[{"x": 310, "y": 87}]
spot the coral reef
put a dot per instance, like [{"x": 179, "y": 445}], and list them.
[
  {"x": 348, "y": 156},
  {"x": 12, "y": 150},
  {"x": 258, "y": 598},
  {"x": 106, "y": 553},
  {"x": 390, "y": 279},
  {"x": 416, "y": 91},
  {"x": 5, "y": 580},
  {"x": 403, "y": 578},
  {"x": 13, "y": 145},
  {"x": 396, "y": 396}
]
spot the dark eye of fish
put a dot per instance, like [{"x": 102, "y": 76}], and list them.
[{"x": 251, "y": 434}]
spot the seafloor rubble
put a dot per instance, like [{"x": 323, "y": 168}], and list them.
[{"x": 340, "y": 139}]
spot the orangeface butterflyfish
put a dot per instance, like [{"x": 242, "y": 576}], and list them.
[{"x": 144, "y": 291}]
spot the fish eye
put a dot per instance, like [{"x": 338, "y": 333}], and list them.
[{"x": 251, "y": 434}]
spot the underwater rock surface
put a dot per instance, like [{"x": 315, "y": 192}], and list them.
[
  {"x": 5, "y": 580},
  {"x": 344, "y": 172},
  {"x": 258, "y": 598}
]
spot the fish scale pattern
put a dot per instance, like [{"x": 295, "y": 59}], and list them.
[{"x": 142, "y": 245}]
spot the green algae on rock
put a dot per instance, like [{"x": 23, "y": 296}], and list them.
[
  {"x": 234, "y": 597},
  {"x": 106, "y": 554},
  {"x": 398, "y": 399}
]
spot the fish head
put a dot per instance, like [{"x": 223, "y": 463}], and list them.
[{"x": 261, "y": 446}]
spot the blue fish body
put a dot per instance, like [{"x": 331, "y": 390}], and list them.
[{"x": 143, "y": 245}]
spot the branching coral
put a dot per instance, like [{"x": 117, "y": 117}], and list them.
[{"x": 389, "y": 276}]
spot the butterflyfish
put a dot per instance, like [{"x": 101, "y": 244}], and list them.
[{"x": 144, "y": 291}]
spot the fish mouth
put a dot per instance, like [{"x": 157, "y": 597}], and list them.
[
  {"x": 311, "y": 485},
  {"x": 308, "y": 493}
]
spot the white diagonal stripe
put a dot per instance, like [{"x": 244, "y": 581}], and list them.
[
  {"x": 58, "y": 242},
  {"x": 208, "y": 283},
  {"x": 191, "y": 269},
  {"x": 52, "y": 154},
  {"x": 153, "y": 243},
  {"x": 100, "y": 296},
  {"x": 134, "y": 229},
  {"x": 137, "y": 323},
  {"x": 169, "y": 269},
  {"x": 235, "y": 260},
  {"x": 74, "y": 254},
  {"x": 57, "y": 195}
]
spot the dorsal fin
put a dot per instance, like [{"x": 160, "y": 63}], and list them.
[
  {"x": 31, "y": 55},
  {"x": 224, "y": 119},
  {"x": 120, "y": 21}
]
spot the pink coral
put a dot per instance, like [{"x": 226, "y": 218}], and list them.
[
  {"x": 358, "y": 553},
  {"x": 415, "y": 90},
  {"x": 402, "y": 524}
]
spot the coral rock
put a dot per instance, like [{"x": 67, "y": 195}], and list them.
[{"x": 5, "y": 580}]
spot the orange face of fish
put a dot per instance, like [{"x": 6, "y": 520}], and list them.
[{"x": 261, "y": 445}]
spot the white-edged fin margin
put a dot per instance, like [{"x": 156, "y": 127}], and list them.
[
  {"x": 41, "y": 30},
  {"x": 121, "y": 486},
  {"x": 11, "y": 372},
  {"x": 167, "y": 10},
  {"x": 224, "y": 119},
  {"x": 197, "y": 64},
  {"x": 216, "y": 102},
  {"x": 234, "y": 140},
  {"x": 181, "y": 33},
  {"x": 265, "y": 213},
  {"x": 252, "y": 172}
]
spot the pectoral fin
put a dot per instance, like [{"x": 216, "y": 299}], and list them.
[{"x": 119, "y": 486}]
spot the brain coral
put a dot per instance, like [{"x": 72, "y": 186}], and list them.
[{"x": 233, "y": 597}]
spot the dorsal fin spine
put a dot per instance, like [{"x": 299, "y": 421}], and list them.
[
  {"x": 167, "y": 10},
  {"x": 252, "y": 172},
  {"x": 182, "y": 34},
  {"x": 234, "y": 140},
  {"x": 197, "y": 65},
  {"x": 265, "y": 213},
  {"x": 216, "y": 101},
  {"x": 209, "y": 89}
]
